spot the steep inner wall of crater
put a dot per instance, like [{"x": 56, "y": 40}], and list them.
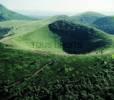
[{"x": 77, "y": 38}]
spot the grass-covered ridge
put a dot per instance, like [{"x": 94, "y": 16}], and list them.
[
  {"x": 32, "y": 35},
  {"x": 86, "y": 18}
]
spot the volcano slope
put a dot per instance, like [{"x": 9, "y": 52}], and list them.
[
  {"x": 78, "y": 38},
  {"x": 62, "y": 38},
  {"x": 106, "y": 24}
]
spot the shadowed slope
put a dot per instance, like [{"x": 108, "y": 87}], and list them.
[
  {"x": 106, "y": 24},
  {"x": 4, "y": 31},
  {"x": 77, "y": 38}
]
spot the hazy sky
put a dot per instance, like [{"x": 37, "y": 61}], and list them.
[{"x": 60, "y": 5}]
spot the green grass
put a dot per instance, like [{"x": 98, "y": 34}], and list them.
[
  {"x": 41, "y": 39},
  {"x": 65, "y": 77},
  {"x": 27, "y": 33},
  {"x": 81, "y": 77},
  {"x": 35, "y": 36}
]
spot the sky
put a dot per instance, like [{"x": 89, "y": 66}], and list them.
[{"x": 71, "y": 6}]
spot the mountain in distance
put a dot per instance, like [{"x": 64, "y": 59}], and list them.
[
  {"x": 106, "y": 24},
  {"x": 6, "y": 14},
  {"x": 59, "y": 17},
  {"x": 86, "y": 18}
]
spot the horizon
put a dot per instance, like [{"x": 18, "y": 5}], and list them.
[
  {"x": 50, "y": 13},
  {"x": 55, "y": 7}
]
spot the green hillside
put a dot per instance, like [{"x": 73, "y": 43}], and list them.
[
  {"x": 32, "y": 35},
  {"x": 86, "y": 18},
  {"x": 36, "y": 35},
  {"x": 6, "y": 14},
  {"x": 35, "y": 76},
  {"x": 106, "y": 24}
]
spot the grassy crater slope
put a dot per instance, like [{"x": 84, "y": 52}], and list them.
[
  {"x": 32, "y": 76},
  {"x": 78, "y": 38},
  {"x": 106, "y": 24},
  {"x": 32, "y": 35}
]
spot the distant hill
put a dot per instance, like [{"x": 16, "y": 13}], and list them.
[
  {"x": 59, "y": 17},
  {"x": 6, "y": 14},
  {"x": 106, "y": 24},
  {"x": 86, "y": 18},
  {"x": 78, "y": 38}
]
